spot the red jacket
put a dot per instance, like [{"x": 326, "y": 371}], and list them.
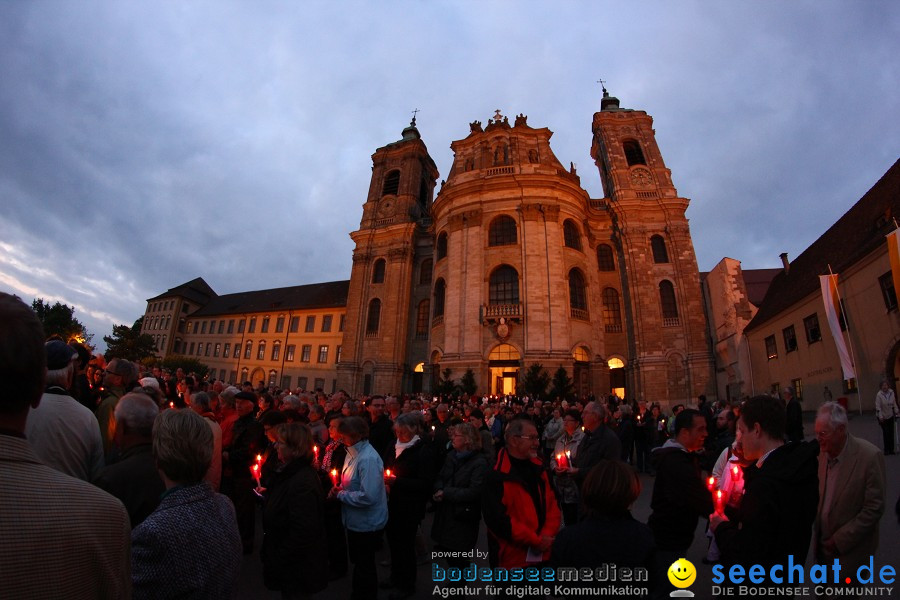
[{"x": 513, "y": 516}]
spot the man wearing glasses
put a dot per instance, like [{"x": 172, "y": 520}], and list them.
[{"x": 519, "y": 504}]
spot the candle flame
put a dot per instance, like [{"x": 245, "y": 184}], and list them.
[
  {"x": 334, "y": 472},
  {"x": 735, "y": 471},
  {"x": 259, "y": 458},
  {"x": 712, "y": 481},
  {"x": 568, "y": 453},
  {"x": 387, "y": 472},
  {"x": 256, "y": 467}
]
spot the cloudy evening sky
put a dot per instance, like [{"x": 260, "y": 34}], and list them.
[{"x": 143, "y": 144}]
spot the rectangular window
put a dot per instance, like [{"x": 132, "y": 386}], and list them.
[
  {"x": 252, "y": 327},
  {"x": 207, "y": 349},
  {"x": 337, "y": 354},
  {"x": 222, "y": 326},
  {"x": 217, "y": 350},
  {"x": 790, "y": 339},
  {"x": 276, "y": 351},
  {"x": 888, "y": 293},
  {"x": 320, "y": 384},
  {"x": 279, "y": 327},
  {"x": 286, "y": 382},
  {"x": 227, "y": 351},
  {"x": 295, "y": 324},
  {"x": 191, "y": 351},
  {"x": 305, "y": 353},
  {"x": 289, "y": 353},
  {"x": 241, "y": 325},
  {"x": 248, "y": 351},
  {"x": 310, "y": 324},
  {"x": 301, "y": 383},
  {"x": 341, "y": 325},
  {"x": 798, "y": 388},
  {"x": 265, "y": 325},
  {"x": 221, "y": 374},
  {"x": 811, "y": 325},
  {"x": 333, "y": 385},
  {"x": 190, "y": 327},
  {"x": 212, "y": 326},
  {"x": 326, "y": 323},
  {"x": 323, "y": 354},
  {"x": 771, "y": 349},
  {"x": 233, "y": 376},
  {"x": 231, "y": 326},
  {"x": 203, "y": 327}
]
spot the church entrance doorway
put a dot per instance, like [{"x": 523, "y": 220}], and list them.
[{"x": 504, "y": 362}]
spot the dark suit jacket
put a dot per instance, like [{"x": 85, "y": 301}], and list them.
[{"x": 135, "y": 481}]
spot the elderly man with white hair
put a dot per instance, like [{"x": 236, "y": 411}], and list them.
[
  {"x": 62, "y": 432},
  {"x": 133, "y": 479},
  {"x": 851, "y": 492}
]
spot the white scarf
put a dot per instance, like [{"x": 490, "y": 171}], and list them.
[{"x": 399, "y": 446}]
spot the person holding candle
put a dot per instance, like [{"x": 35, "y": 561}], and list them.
[
  {"x": 238, "y": 482},
  {"x": 457, "y": 494},
  {"x": 408, "y": 482},
  {"x": 293, "y": 518},
  {"x": 780, "y": 492},
  {"x": 680, "y": 495},
  {"x": 363, "y": 505},
  {"x": 330, "y": 467},
  {"x": 564, "y": 453}
]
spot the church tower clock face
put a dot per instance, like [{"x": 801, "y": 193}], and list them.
[{"x": 386, "y": 208}]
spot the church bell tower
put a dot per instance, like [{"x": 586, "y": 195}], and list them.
[{"x": 391, "y": 273}]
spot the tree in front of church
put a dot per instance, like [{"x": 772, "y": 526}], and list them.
[
  {"x": 129, "y": 343},
  {"x": 562, "y": 384},
  {"x": 467, "y": 383},
  {"x": 536, "y": 381},
  {"x": 59, "y": 319}
]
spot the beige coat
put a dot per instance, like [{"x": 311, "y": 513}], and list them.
[{"x": 857, "y": 505}]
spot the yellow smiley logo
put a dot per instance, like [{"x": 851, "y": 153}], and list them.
[{"x": 682, "y": 573}]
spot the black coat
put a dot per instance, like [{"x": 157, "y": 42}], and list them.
[
  {"x": 777, "y": 510},
  {"x": 462, "y": 480},
  {"x": 413, "y": 479},
  {"x": 680, "y": 497},
  {"x": 294, "y": 548},
  {"x": 597, "y": 445},
  {"x": 135, "y": 481}
]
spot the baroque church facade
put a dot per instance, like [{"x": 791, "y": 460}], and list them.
[{"x": 506, "y": 264}]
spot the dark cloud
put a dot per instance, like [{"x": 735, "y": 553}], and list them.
[{"x": 144, "y": 145}]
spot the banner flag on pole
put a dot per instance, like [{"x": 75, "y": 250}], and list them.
[
  {"x": 893, "y": 243},
  {"x": 832, "y": 302}
]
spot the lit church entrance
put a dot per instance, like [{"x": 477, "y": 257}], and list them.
[{"x": 504, "y": 362}]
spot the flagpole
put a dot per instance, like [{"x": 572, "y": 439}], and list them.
[{"x": 850, "y": 344}]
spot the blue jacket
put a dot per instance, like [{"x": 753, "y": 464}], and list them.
[{"x": 363, "y": 497}]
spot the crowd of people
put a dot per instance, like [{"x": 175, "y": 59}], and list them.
[{"x": 150, "y": 483}]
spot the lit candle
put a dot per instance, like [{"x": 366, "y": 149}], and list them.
[
  {"x": 255, "y": 470},
  {"x": 562, "y": 460},
  {"x": 171, "y": 405},
  {"x": 315, "y": 454},
  {"x": 711, "y": 483},
  {"x": 334, "y": 477},
  {"x": 720, "y": 502},
  {"x": 388, "y": 474}
]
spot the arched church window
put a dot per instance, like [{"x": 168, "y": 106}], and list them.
[
  {"x": 502, "y": 231},
  {"x": 439, "y": 290},
  {"x": 504, "y": 286},
  {"x": 391, "y": 183},
  {"x": 374, "y": 319},
  {"x": 658, "y": 246},
  {"x": 378, "y": 271},
  {"x": 667, "y": 300},
  {"x": 633, "y": 153},
  {"x": 441, "y": 246},
  {"x": 577, "y": 295},
  {"x": 422, "y": 319},
  {"x": 605, "y": 259},
  {"x": 612, "y": 311},
  {"x": 571, "y": 235}
]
